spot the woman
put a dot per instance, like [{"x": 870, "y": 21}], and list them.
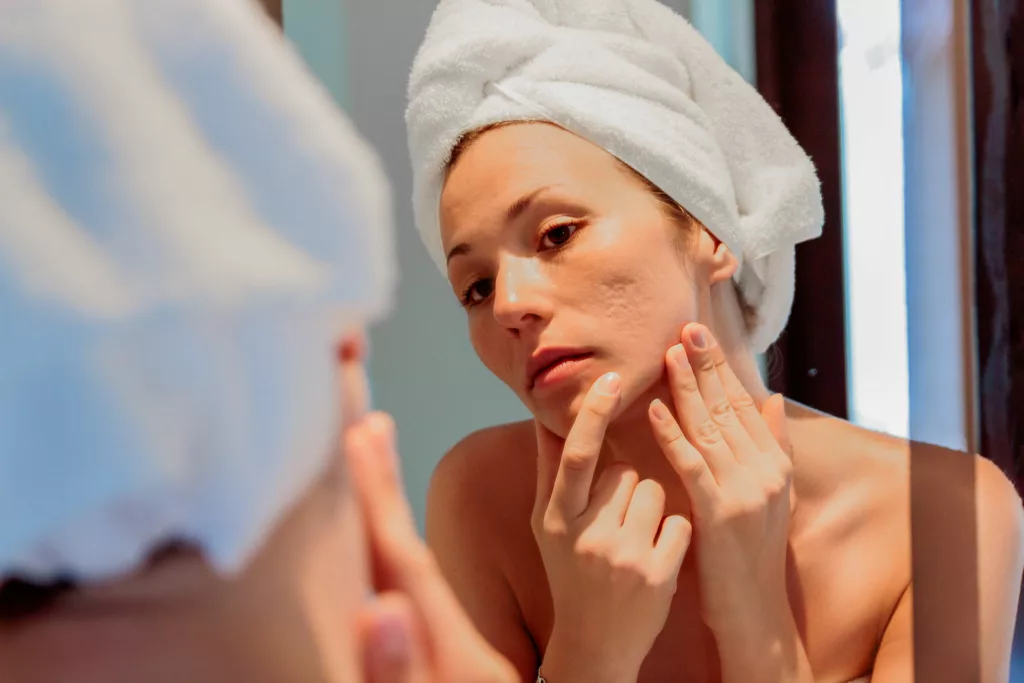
[
  {"x": 169, "y": 409},
  {"x": 616, "y": 210}
]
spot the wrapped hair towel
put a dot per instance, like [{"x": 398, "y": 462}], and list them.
[{"x": 638, "y": 80}]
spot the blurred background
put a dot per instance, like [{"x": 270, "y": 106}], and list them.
[
  {"x": 885, "y": 298},
  {"x": 910, "y": 309}
]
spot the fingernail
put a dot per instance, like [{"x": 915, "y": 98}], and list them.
[
  {"x": 677, "y": 354},
  {"x": 697, "y": 337},
  {"x": 609, "y": 384},
  {"x": 392, "y": 638},
  {"x": 384, "y": 436},
  {"x": 659, "y": 410}
]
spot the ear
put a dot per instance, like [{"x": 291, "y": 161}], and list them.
[
  {"x": 717, "y": 260},
  {"x": 274, "y": 10}
]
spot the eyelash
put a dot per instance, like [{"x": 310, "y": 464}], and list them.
[{"x": 465, "y": 298}]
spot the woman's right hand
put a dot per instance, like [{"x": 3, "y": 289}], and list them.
[
  {"x": 414, "y": 631},
  {"x": 611, "y": 573}
]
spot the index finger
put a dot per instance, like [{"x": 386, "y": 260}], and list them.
[
  {"x": 401, "y": 559},
  {"x": 744, "y": 405},
  {"x": 549, "y": 454},
  {"x": 571, "y": 491}
]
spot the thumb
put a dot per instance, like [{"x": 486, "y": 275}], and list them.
[
  {"x": 774, "y": 414},
  {"x": 549, "y": 455},
  {"x": 391, "y": 642}
]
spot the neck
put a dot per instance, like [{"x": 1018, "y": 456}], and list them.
[{"x": 630, "y": 439}]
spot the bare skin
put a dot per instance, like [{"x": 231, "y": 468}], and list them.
[
  {"x": 178, "y": 620},
  {"x": 850, "y": 552},
  {"x": 612, "y": 285},
  {"x": 301, "y": 610}
]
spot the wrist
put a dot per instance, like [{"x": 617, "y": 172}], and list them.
[
  {"x": 568, "y": 661},
  {"x": 768, "y": 649}
]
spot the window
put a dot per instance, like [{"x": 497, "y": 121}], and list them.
[{"x": 871, "y": 105}]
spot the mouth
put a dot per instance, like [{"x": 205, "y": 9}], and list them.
[{"x": 551, "y": 366}]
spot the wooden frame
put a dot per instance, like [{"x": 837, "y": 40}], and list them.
[
  {"x": 797, "y": 72},
  {"x": 997, "y": 65}
]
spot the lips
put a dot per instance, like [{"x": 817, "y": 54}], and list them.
[{"x": 544, "y": 360}]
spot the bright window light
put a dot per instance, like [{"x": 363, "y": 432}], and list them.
[{"x": 871, "y": 100}]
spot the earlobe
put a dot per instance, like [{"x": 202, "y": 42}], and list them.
[
  {"x": 725, "y": 265},
  {"x": 722, "y": 264}
]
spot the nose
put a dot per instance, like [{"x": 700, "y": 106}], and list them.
[{"x": 521, "y": 295}]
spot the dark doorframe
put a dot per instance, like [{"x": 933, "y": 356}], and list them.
[
  {"x": 997, "y": 65},
  {"x": 798, "y": 73}
]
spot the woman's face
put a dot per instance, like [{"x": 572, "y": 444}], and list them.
[{"x": 556, "y": 251}]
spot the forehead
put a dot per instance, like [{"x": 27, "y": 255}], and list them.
[{"x": 505, "y": 163}]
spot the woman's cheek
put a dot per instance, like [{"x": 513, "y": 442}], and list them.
[{"x": 492, "y": 349}]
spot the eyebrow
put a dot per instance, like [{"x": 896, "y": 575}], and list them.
[{"x": 514, "y": 211}]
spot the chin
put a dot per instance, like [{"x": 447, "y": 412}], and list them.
[
  {"x": 560, "y": 418},
  {"x": 638, "y": 394},
  {"x": 557, "y": 413}
]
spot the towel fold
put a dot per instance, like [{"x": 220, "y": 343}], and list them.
[
  {"x": 638, "y": 80},
  {"x": 187, "y": 225}
]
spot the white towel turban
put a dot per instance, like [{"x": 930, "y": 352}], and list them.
[
  {"x": 639, "y": 81},
  {"x": 187, "y": 224}
]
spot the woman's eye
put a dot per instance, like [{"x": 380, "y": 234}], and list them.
[
  {"x": 559, "y": 235},
  {"x": 477, "y": 292}
]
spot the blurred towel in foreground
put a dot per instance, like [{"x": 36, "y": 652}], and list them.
[{"x": 186, "y": 225}]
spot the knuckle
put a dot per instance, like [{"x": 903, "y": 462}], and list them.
[
  {"x": 722, "y": 412},
  {"x": 776, "y": 485},
  {"x": 627, "y": 567},
  {"x": 706, "y": 362},
  {"x": 575, "y": 458},
  {"x": 591, "y": 549},
  {"x": 687, "y": 463},
  {"x": 706, "y": 433},
  {"x": 597, "y": 407},
  {"x": 651, "y": 491},
  {"x": 752, "y": 505},
  {"x": 618, "y": 475},
  {"x": 687, "y": 382},
  {"x": 786, "y": 469},
  {"x": 740, "y": 507},
  {"x": 741, "y": 400},
  {"x": 690, "y": 468},
  {"x": 553, "y": 528},
  {"x": 676, "y": 439},
  {"x": 684, "y": 533},
  {"x": 653, "y": 488},
  {"x": 660, "y": 580},
  {"x": 622, "y": 471}
]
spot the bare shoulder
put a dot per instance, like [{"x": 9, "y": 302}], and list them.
[
  {"x": 954, "y": 523},
  {"x": 847, "y": 478},
  {"x": 478, "y": 527},
  {"x": 998, "y": 498},
  {"x": 487, "y": 467},
  {"x": 483, "y": 487},
  {"x": 841, "y": 463},
  {"x": 879, "y": 476},
  {"x": 868, "y": 489}
]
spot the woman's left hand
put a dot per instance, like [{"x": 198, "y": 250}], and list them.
[{"x": 734, "y": 461}]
